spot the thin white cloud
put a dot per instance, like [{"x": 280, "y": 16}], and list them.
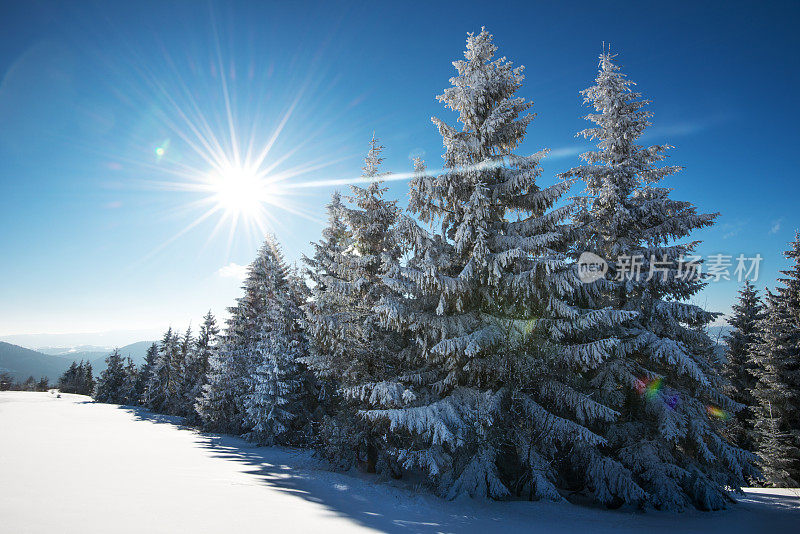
[
  {"x": 776, "y": 226},
  {"x": 687, "y": 128},
  {"x": 233, "y": 270},
  {"x": 681, "y": 129},
  {"x": 566, "y": 152},
  {"x": 732, "y": 229}
]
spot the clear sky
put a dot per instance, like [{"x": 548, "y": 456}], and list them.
[{"x": 113, "y": 116}]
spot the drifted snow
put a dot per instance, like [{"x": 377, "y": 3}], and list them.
[{"x": 68, "y": 465}]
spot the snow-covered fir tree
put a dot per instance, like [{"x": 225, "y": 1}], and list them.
[
  {"x": 326, "y": 312},
  {"x": 353, "y": 346},
  {"x": 491, "y": 398},
  {"x": 740, "y": 367},
  {"x": 77, "y": 379},
  {"x": 112, "y": 384},
  {"x": 131, "y": 380},
  {"x": 278, "y": 399},
  {"x": 88, "y": 382},
  {"x": 68, "y": 382},
  {"x": 161, "y": 390},
  {"x": 662, "y": 378},
  {"x": 197, "y": 364},
  {"x": 183, "y": 401},
  {"x": 777, "y": 418},
  {"x": 327, "y": 315},
  {"x": 257, "y": 383},
  {"x": 146, "y": 371},
  {"x": 218, "y": 405},
  {"x": 776, "y": 452}
]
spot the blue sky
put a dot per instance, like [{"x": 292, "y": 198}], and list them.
[{"x": 94, "y": 228}]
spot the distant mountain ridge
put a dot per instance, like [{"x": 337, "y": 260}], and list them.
[
  {"x": 22, "y": 363},
  {"x": 66, "y": 351}
]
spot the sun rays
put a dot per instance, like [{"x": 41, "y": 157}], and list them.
[{"x": 224, "y": 158}]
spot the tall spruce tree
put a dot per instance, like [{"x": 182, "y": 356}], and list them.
[
  {"x": 662, "y": 377},
  {"x": 740, "y": 367},
  {"x": 491, "y": 398},
  {"x": 257, "y": 382},
  {"x": 327, "y": 314},
  {"x": 777, "y": 418},
  {"x": 360, "y": 353},
  {"x": 277, "y": 404}
]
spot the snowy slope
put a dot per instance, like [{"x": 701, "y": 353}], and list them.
[{"x": 69, "y": 465}]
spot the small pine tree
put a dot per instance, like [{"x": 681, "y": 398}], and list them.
[
  {"x": 44, "y": 384},
  {"x": 131, "y": 379},
  {"x": 77, "y": 379},
  {"x": 219, "y": 404},
  {"x": 88, "y": 384},
  {"x": 197, "y": 366},
  {"x": 68, "y": 382},
  {"x": 183, "y": 402},
  {"x": 112, "y": 382},
  {"x": 161, "y": 390},
  {"x": 7, "y": 382},
  {"x": 145, "y": 374},
  {"x": 29, "y": 384}
]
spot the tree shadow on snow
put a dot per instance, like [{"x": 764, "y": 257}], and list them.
[
  {"x": 296, "y": 472},
  {"x": 143, "y": 414},
  {"x": 774, "y": 499},
  {"x": 387, "y": 508},
  {"x": 363, "y": 500}
]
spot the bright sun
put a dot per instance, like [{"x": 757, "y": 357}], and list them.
[{"x": 238, "y": 191}]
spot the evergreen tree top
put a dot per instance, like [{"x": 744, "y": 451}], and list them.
[
  {"x": 373, "y": 160},
  {"x": 483, "y": 95},
  {"x": 789, "y": 288},
  {"x": 266, "y": 273}
]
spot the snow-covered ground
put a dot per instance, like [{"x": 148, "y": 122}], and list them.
[{"x": 70, "y": 465}]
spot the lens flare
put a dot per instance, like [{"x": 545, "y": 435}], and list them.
[
  {"x": 653, "y": 388},
  {"x": 717, "y": 413},
  {"x": 673, "y": 401},
  {"x": 650, "y": 388},
  {"x": 161, "y": 151}
]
